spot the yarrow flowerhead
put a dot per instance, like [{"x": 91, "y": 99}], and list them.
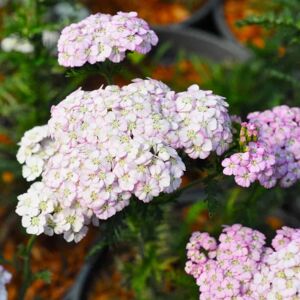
[
  {"x": 279, "y": 275},
  {"x": 279, "y": 129},
  {"x": 104, "y": 147},
  {"x": 270, "y": 149},
  {"x": 254, "y": 162},
  {"x": 103, "y": 37},
  {"x": 5, "y": 278},
  {"x": 241, "y": 267},
  {"x": 110, "y": 144},
  {"x": 204, "y": 123}
]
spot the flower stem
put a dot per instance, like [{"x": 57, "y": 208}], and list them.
[
  {"x": 108, "y": 78},
  {"x": 106, "y": 70},
  {"x": 27, "y": 274}
]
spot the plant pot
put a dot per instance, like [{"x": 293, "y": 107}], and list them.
[
  {"x": 194, "y": 17},
  {"x": 219, "y": 17},
  {"x": 78, "y": 291},
  {"x": 199, "y": 14},
  {"x": 200, "y": 43}
]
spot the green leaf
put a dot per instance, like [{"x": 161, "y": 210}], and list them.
[
  {"x": 43, "y": 275},
  {"x": 96, "y": 248},
  {"x": 135, "y": 57},
  {"x": 194, "y": 211}
]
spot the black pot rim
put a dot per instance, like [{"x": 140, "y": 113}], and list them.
[
  {"x": 195, "y": 17},
  {"x": 220, "y": 21},
  {"x": 203, "y": 43}
]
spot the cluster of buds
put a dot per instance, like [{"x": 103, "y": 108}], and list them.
[{"x": 248, "y": 134}]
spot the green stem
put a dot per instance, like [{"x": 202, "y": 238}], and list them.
[
  {"x": 252, "y": 205},
  {"x": 108, "y": 78},
  {"x": 231, "y": 202},
  {"x": 141, "y": 245},
  {"x": 27, "y": 274},
  {"x": 107, "y": 70}
]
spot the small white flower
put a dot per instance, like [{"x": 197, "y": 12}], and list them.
[
  {"x": 34, "y": 225},
  {"x": 33, "y": 168},
  {"x": 15, "y": 43},
  {"x": 70, "y": 219},
  {"x": 50, "y": 38},
  {"x": 5, "y": 278},
  {"x": 28, "y": 205},
  {"x": 34, "y": 135},
  {"x": 35, "y": 141},
  {"x": 8, "y": 44},
  {"x": 23, "y": 154},
  {"x": 24, "y": 47},
  {"x": 70, "y": 236}
]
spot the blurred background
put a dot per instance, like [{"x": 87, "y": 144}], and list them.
[{"x": 246, "y": 50}]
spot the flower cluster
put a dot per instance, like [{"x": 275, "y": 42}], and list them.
[
  {"x": 110, "y": 144},
  {"x": 241, "y": 267},
  {"x": 36, "y": 147},
  {"x": 5, "y": 278},
  {"x": 279, "y": 276},
  {"x": 16, "y": 43},
  {"x": 279, "y": 129},
  {"x": 256, "y": 162},
  {"x": 103, "y": 147},
  {"x": 204, "y": 123},
  {"x": 270, "y": 149},
  {"x": 101, "y": 36},
  {"x": 225, "y": 270}
]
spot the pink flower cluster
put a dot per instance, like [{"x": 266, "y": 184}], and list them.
[
  {"x": 241, "y": 267},
  {"x": 270, "y": 149},
  {"x": 255, "y": 163},
  {"x": 279, "y": 129},
  {"x": 279, "y": 276},
  {"x": 204, "y": 123},
  {"x": 101, "y": 36}
]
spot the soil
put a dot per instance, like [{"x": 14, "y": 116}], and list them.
[
  {"x": 108, "y": 283},
  {"x": 64, "y": 260}
]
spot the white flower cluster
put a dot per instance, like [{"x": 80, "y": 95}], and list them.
[
  {"x": 15, "y": 43},
  {"x": 35, "y": 149},
  {"x": 5, "y": 278},
  {"x": 205, "y": 125},
  {"x": 112, "y": 145},
  {"x": 103, "y": 147}
]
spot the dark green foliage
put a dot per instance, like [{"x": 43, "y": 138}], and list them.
[{"x": 32, "y": 82}]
